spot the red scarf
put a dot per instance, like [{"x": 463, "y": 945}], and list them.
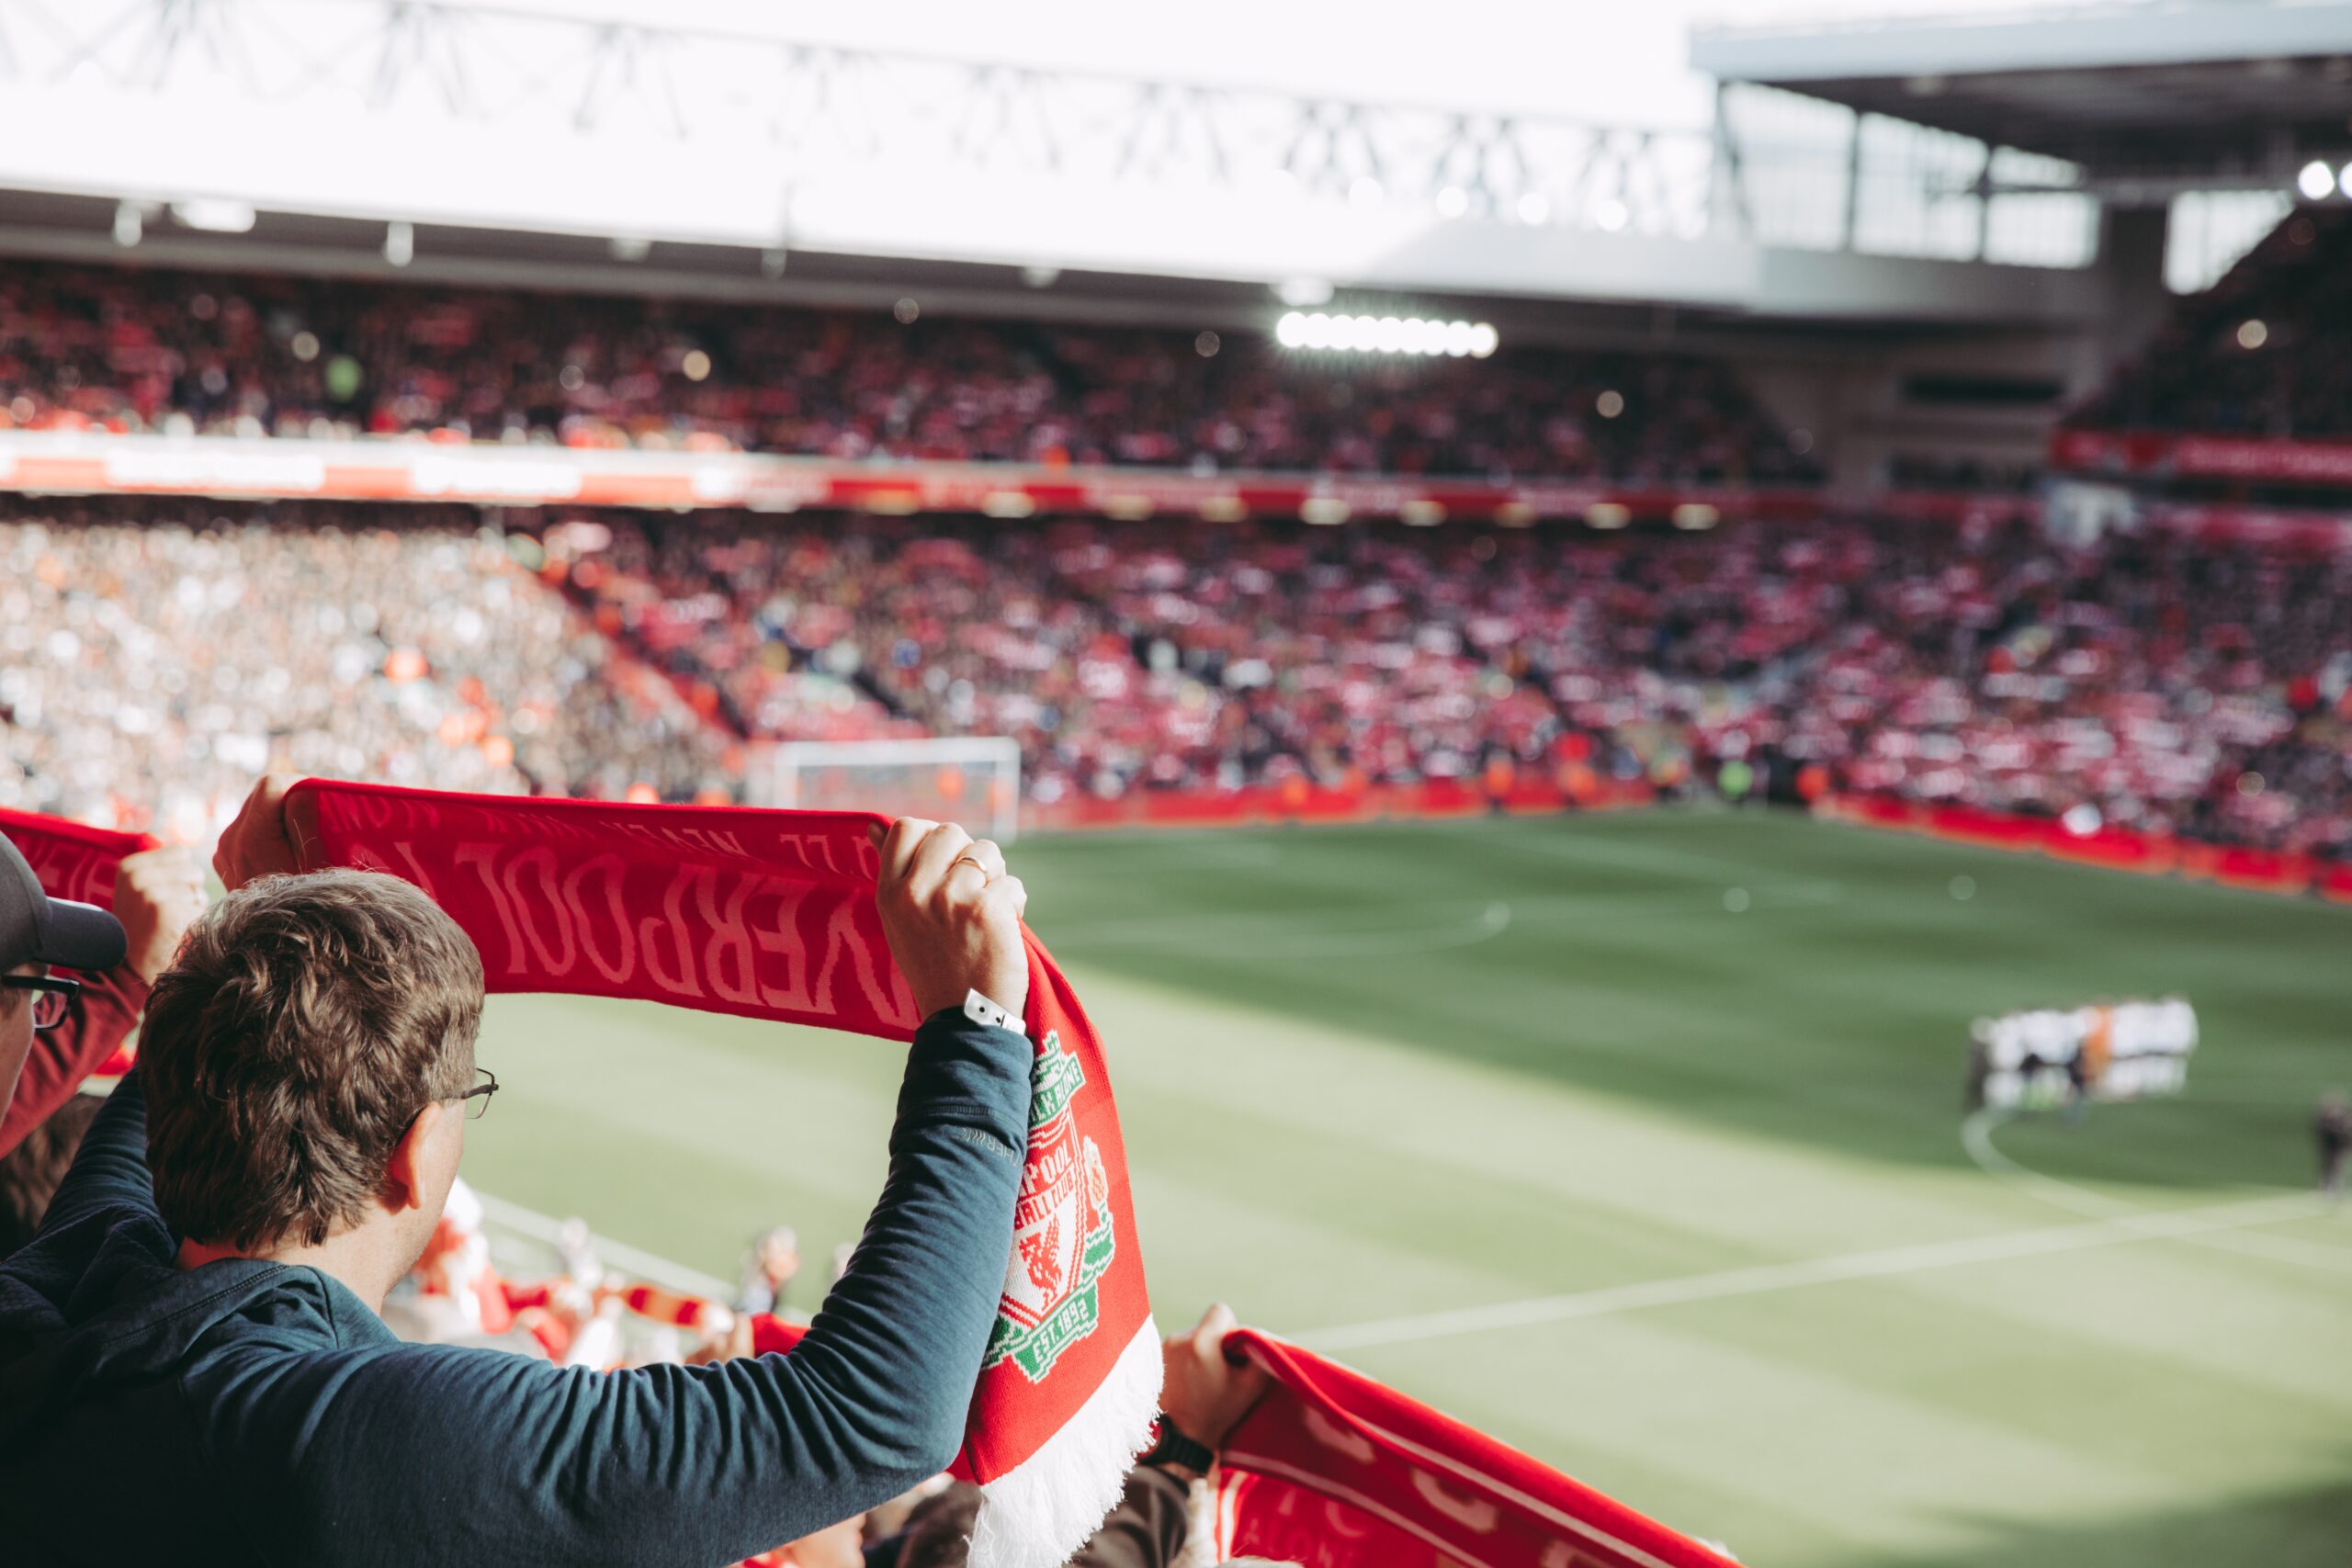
[
  {"x": 771, "y": 914},
  {"x": 1331, "y": 1470},
  {"x": 72, "y": 861}
]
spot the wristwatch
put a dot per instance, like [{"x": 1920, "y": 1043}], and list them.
[
  {"x": 981, "y": 1010},
  {"x": 1175, "y": 1449}
]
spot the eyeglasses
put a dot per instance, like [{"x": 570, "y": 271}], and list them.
[
  {"x": 52, "y": 996},
  {"x": 477, "y": 1099}
]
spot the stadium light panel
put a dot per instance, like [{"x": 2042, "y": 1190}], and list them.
[
  {"x": 2316, "y": 180},
  {"x": 128, "y": 226},
  {"x": 1608, "y": 514},
  {"x": 1385, "y": 334},
  {"x": 1453, "y": 202},
  {"x": 2344, "y": 180},
  {"x": 1533, "y": 207},
  {"x": 400, "y": 244},
  {"x": 214, "y": 216},
  {"x": 1303, "y": 293},
  {"x": 1612, "y": 215}
]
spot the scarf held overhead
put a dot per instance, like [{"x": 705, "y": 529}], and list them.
[
  {"x": 71, "y": 859},
  {"x": 1331, "y": 1470},
  {"x": 771, "y": 914}
]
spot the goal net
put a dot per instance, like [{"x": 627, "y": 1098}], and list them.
[{"x": 973, "y": 781}]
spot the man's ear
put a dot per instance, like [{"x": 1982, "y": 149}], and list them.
[{"x": 405, "y": 1181}]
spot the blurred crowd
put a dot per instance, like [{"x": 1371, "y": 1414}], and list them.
[
  {"x": 148, "y": 670},
  {"x": 154, "y": 659},
  {"x": 2266, "y": 352},
  {"x": 2164, "y": 684},
  {"x": 133, "y": 349}
]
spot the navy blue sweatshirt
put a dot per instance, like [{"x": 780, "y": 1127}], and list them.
[{"x": 257, "y": 1413}]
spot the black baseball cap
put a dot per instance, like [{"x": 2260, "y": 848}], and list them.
[{"x": 37, "y": 928}]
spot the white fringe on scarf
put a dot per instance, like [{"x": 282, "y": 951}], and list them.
[{"x": 1039, "y": 1513}]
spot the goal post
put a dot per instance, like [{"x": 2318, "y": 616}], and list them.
[{"x": 973, "y": 781}]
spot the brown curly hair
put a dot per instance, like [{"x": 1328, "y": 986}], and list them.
[{"x": 305, "y": 1023}]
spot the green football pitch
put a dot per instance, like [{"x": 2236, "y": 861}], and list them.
[{"x": 1637, "y": 1142}]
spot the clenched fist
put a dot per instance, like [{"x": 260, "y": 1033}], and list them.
[
  {"x": 1201, "y": 1393},
  {"x": 157, "y": 895},
  {"x": 268, "y": 835},
  {"x": 951, "y": 914}
]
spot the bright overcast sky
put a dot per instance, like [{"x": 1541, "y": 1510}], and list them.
[{"x": 1611, "y": 62}]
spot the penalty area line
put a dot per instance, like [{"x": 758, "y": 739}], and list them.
[{"x": 1763, "y": 1278}]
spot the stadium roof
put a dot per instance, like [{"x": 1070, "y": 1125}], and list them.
[{"x": 2231, "y": 91}]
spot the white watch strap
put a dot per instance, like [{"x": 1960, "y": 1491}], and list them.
[{"x": 979, "y": 1010}]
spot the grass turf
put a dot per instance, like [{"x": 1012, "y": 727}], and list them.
[{"x": 1381, "y": 1072}]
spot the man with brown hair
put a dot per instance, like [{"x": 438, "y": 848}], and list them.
[{"x": 191, "y": 1364}]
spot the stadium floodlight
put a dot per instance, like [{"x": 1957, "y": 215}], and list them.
[
  {"x": 1385, "y": 334},
  {"x": 1608, "y": 514},
  {"x": 400, "y": 244},
  {"x": 2317, "y": 180},
  {"x": 2344, "y": 180},
  {"x": 1534, "y": 208},
  {"x": 1453, "y": 202},
  {"x": 1303, "y": 293},
  {"x": 129, "y": 225},
  {"x": 214, "y": 215},
  {"x": 1612, "y": 215}
]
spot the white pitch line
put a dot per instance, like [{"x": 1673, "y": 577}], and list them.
[
  {"x": 1761, "y": 1279},
  {"x": 620, "y": 1254},
  {"x": 1976, "y": 1137}
]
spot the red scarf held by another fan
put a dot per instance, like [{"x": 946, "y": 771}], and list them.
[
  {"x": 770, "y": 914},
  {"x": 1331, "y": 1470},
  {"x": 71, "y": 860}
]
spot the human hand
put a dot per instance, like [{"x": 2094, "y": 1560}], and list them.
[
  {"x": 1204, "y": 1395},
  {"x": 158, "y": 894},
  {"x": 952, "y": 916},
  {"x": 269, "y": 836}
]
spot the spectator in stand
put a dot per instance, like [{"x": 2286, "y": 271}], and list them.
[
  {"x": 199, "y": 1307},
  {"x": 1203, "y": 1397},
  {"x": 768, "y": 1271},
  {"x": 30, "y": 1172},
  {"x": 157, "y": 894}
]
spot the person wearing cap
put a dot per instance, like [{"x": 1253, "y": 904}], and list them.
[{"x": 54, "y": 1029}]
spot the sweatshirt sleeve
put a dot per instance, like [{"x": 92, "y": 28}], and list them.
[
  {"x": 101, "y": 1016},
  {"x": 1148, "y": 1526},
  {"x": 109, "y": 1170},
  {"x": 505, "y": 1458}
]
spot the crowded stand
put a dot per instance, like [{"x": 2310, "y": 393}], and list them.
[
  {"x": 2168, "y": 684},
  {"x": 154, "y": 658},
  {"x": 2266, "y": 352},
  {"x": 134, "y": 350},
  {"x": 2157, "y": 683}
]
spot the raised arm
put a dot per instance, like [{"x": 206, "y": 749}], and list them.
[{"x": 709, "y": 1464}]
